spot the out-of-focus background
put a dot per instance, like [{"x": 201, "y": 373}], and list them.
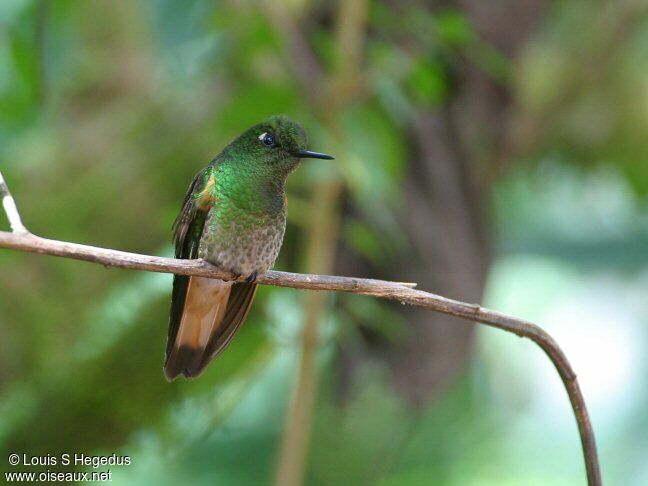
[{"x": 493, "y": 152}]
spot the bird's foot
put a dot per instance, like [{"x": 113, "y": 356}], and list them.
[{"x": 252, "y": 277}]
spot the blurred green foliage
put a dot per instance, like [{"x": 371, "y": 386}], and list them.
[{"x": 107, "y": 109}]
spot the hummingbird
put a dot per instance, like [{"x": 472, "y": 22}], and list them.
[{"x": 233, "y": 216}]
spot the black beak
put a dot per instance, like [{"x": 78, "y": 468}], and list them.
[{"x": 312, "y": 155}]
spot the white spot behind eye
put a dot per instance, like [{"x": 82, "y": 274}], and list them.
[{"x": 262, "y": 135}]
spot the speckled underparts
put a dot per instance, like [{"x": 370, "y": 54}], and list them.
[{"x": 242, "y": 243}]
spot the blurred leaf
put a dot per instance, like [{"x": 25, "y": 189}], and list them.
[
  {"x": 428, "y": 83},
  {"x": 454, "y": 28}
]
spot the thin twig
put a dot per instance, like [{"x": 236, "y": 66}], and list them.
[
  {"x": 10, "y": 208},
  {"x": 324, "y": 227},
  {"x": 20, "y": 239},
  {"x": 320, "y": 254}
]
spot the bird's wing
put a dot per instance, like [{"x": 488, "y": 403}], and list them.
[
  {"x": 187, "y": 230},
  {"x": 189, "y": 224},
  {"x": 205, "y": 313}
]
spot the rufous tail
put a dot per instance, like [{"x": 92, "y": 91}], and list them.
[{"x": 205, "y": 315}]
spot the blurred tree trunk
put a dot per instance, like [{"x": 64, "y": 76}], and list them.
[{"x": 456, "y": 151}]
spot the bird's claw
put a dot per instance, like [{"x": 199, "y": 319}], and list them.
[{"x": 252, "y": 277}]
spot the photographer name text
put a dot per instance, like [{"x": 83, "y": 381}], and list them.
[{"x": 69, "y": 459}]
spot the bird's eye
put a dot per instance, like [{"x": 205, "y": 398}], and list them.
[{"x": 268, "y": 140}]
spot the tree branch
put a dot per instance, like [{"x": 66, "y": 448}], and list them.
[
  {"x": 10, "y": 208},
  {"x": 22, "y": 240}
]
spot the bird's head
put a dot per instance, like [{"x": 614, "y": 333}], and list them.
[{"x": 275, "y": 144}]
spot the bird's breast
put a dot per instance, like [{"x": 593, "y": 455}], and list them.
[{"x": 240, "y": 241}]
